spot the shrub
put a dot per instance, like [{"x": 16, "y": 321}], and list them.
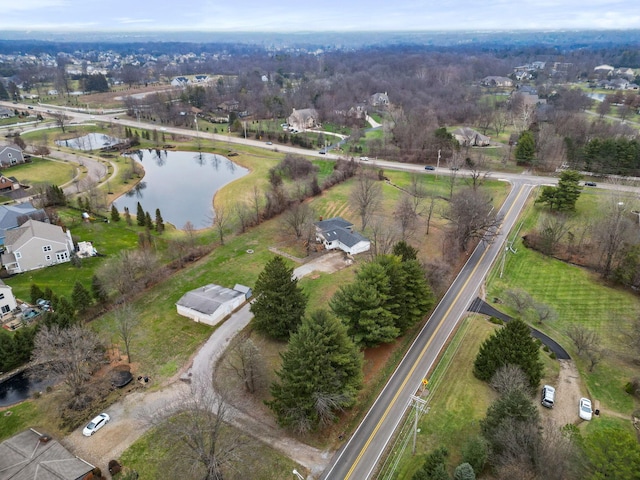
[{"x": 496, "y": 321}]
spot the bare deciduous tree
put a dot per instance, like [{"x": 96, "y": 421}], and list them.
[
  {"x": 406, "y": 216},
  {"x": 126, "y": 319},
  {"x": 128, "y": 269},
  {"x": 612, "y": 233},
  {"x": 366, "y": 196},
  {"x": 197, "y": 427},
  {"x": 553, "y": 228},
  {"x": 585, "y": 340},
  {"x": 471, "y": 216},
  {"x": 383, "y": 235},
  {"x": 509, "y": 377},
  {"x": 243, "y": 358},
  {"x": 543, "y": 312},
  {"x": 518, "y": 299},
  {"x": 244, "y": 216},
  {"x": 61, "y": 119},
  {"x": 298, "y": 218},
  {"x": 220, "y": 221},
  {"x": 68, "y": 354}
]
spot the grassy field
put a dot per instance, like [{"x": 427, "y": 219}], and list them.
[{"x": 40, "y": 171}]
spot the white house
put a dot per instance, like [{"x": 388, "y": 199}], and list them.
[
  {"x": 337, "y": 233},
  {"x": 212, "y": 303},
  {"x": 36, "y": 245},
  {"x": 7, "y": 300}
]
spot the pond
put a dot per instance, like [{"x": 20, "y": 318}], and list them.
[
  {"x": 181, "y": 185},
  {"x": 91, "y": 141},
  {"x": 20, "y": 387}
]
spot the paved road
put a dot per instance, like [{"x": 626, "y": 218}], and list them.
[{"x": 360, "y": 455}]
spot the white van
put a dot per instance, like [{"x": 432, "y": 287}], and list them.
[{"x": 548, "y": 396}]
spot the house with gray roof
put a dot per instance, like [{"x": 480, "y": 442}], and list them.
[
  {"x": 496, "y": 81},
  {"x": 12, "y": 216},
  {"x": 379, "y": 99},
  {"x": 468, "y": 137},
  {"x": 337, "y": 233},
  {"x": 212, "y": 303},
  {"x": 10, "y": 155},
  {"x": 36, "y": 245},
  {"x": 7, "y": 113},
  {"x": 29, "y": 455},
  {"x": 304, "y": 118}
]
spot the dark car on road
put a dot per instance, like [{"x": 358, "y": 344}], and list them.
[
  {"x": 590, "y": 184},
  {"x": 429, "y": 167}
]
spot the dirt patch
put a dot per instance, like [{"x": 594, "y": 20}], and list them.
[{"x": 569, "y": 390}]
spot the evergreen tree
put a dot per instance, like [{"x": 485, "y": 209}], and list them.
[
  {"x": 80, "y": 297},
  {"x": 4, "y": 94},
  {"x": 36, "y": 293},
  {"x": 525, "y": 152},
  {"x": 562, "y": 198},
  {"x": 417, "y": 299},
  {"x": 434, "y": 466},
  {"x": 279, "y": 302},
  {"x": 405, "y": 251},
  {"x": 147, "y": 221},
  {"x": 510, "y": 345},
  {"x": 464, "y": 471},
  {"x": 159, "y": 222},
  {"x": 140, "y": 216},
  {"x": 63, "y": 314},
  {"x": 115, "y": 215},
  {"x": 363, "y": 306},
  {"x": 321, "y": 373},
  {"x": 97, "y": 289},
  {"x": 612, "y": 452}
]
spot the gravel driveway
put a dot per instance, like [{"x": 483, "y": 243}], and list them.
[{"x": 129, "y": 416}]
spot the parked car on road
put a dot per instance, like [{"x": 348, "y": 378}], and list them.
[
  {"x": 96, "y": 424},
  {"x": 429, "y": 167},
  {"x": 585, "y": 409},
  {"x": 590, "y": 184}
]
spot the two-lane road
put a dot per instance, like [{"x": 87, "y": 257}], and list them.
[{"x": 358, "y": 458}]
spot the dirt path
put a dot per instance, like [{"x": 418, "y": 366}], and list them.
[{"x": 569, "y": 390}]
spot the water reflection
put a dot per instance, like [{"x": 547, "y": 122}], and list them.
[
  {"x": 20, "y": 387},
  {"x": 180, "y": 184},
  {"x": 91, "y": 141}
]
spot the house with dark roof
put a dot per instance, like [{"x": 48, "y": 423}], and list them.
[
  {"x": 6, "y": 113},
  {"x": 36, "y": 245},
  {"x": 212, "y": 303},
  {"x": 30, "y": 455},
  {"x": 379, "y": 99},
  {"x": 496, "y": 81},
  {"x": 337, "y": 233},
  {"x": 12, "y": 216}
]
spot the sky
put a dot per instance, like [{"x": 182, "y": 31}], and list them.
[{"x": 318, "y": 15}]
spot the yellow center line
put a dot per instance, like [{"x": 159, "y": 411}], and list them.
[{"x": 424, "y": 349}]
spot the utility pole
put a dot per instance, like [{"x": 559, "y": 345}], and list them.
[{"x": 419, "y": 406}]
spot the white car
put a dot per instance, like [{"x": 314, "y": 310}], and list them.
[
  {"x": 585, "y": 409},
  {"x": 96, "y": 424}
]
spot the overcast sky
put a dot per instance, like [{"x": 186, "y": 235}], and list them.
[{"x": 318, "y": 15}]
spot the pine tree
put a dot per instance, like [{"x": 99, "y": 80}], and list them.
[
  {"x": 115, "y": 215},
  {"x": 159, "y": 222},
  {"x": 80, "y": 297},
  {"x": 321, "y": 372},
  {"x": 279, "y": 302},
  {"x": 363, "y": 307},
  {"x": 147, "y": 221},
  {"x": 417, "y": 299},
  {"x": 525, "y": 153},
  {"x": 140, "y": 216},
  {"x": 405, "y": 251},
  {"x": 511, "y": 345},
  {"x": 98, "y": 290},
  {"x": 36, "y": 293}
]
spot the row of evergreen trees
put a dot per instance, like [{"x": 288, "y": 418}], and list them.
[{"x": 321, "y": 371}]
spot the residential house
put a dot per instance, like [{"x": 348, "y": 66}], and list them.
[
  {"x": 180, "y": 82},
  {"x": 212, "y": 303},
  {"x": 10, "y": 155},
  {"x": 337, "y": 233},
  {"x": 6, "y": 113},
  {"x": 467, "y": 137},
  {"x": 229, "y": 106},
  {"x": 496, "y": 81},
  {"x": 607, "y": 69},
  {"x": 36, "y": 245},
  {"x": 8, "y": 183},
  {"x": 379, "y": 99},
  {"x": 7, "y": 300},
  {"x": 12, "y": 216},
  {"x": 32, "y": 455},
  {"x": 303, "y": 119},
  {"x": 200, "y": 78}
]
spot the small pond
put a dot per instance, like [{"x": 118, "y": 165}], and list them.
[
  {"x": 20, "y": 387},
  {"x": 91, "y": 141},
  {"x": 180, "y": 184}
]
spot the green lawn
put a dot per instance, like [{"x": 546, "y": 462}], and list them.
[{"x": 40, "y": 171}]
